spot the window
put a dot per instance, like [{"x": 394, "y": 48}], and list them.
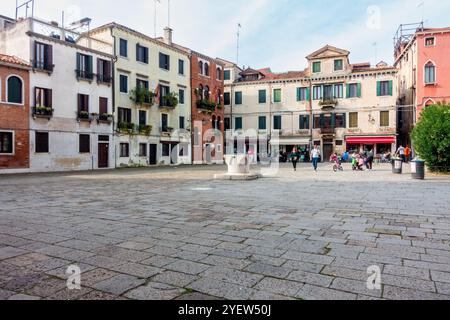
[
  {"x": 123, "y": 48},
  {"x": 302, "y": 94},
  {"x": 317, "y": 121},
  {"x": 85, "y": 144},
  {"x": 164, "y": 91},
  {"x": 384, "y": 118},
  {"x": 181, "y": 96},
  {"x": 430, "y": 73},
  {"x": 429, "y": 42},
  {"x": 339, "y": 142},
  {"x": 42, "y": 97},
  {"x": 207, "y": 92},
  {"x": 317, "y": 66},
  {"x": 6, "y": 143},
  {"x": 262, "y": 96},
  {"x": 227, "y": 98},
  {"x": 219, "y": 97},
  {"x": 124, "y": 150},
  {"x": 277, "y": 95},
  {"x": 227, "y": 124},
  {"x": 181, "y": 67},
  {"x": 262, "y": 125},
  {"x": 182, "y": 126},
  {"x": 103, "y": 138},
  {"x": 317, "y": 92},
  {"x": 164, "y": 61},
  {"x": 339, "y": 120},
  {"x": 123, "y": 84},
  {"x": 238, "y": 123},
  {"x": 141, "y": 53},
  {"x": 142, "y": 117},
  {"x": 227, "y": 75},
  {"x": 142, "y": 150},
  {"x": 164, "y": 122},
  {"x": 41, "y": 142},
  {"x": 338, "y": 91},
  {"x": 328, "y": 93},
  {"x": 83, "y": 103},
  {"x": 124, "y": 115},
  {"x": 277, "y": 122},
  {"x": 353, "y": 119},
  {"x": 84, "y": 67},
  {"x": 354, "y": 90},
  {"x": 238, "y": 97},
  {"x": 200, "y": 67},
  {"x": 43, "y": 56},
  {"x": 102, "y": 106},
  {"x": 219, "y": 74},
  {"x": 103, "y": 71},
  {"x": 206, "y": 67},
  {"x": 15, "y": 90},
  {"x": 338, "y": 65},
  {"x": 384, "y": 88},
  {"x": 142, "y": 84},
  {"x": 166, "y": 150},
  {"x": 304, "y": 122}
]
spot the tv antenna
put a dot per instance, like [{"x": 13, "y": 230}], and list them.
[
  {"x": 156, "y": 11},
  {"x": 239, "y": 26}
]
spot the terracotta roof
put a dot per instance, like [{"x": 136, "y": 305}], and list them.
[
  {"x": 434, "y": 30},
  {"x": 13, "y": 60}
]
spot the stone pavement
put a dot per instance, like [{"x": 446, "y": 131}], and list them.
[{"x": 174, "y": 233}]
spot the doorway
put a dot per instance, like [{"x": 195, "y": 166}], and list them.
[
  {"x": 103, "y": 155},
  {"x": 327, "y": 151},
  {"x": 173, "y": 154},
  {"x": 153, "y": 154}
]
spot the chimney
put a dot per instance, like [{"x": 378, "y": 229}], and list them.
[{"x": 168, "y": 35}]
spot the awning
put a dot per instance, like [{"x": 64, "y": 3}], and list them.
[
  {"x": 371, "y": 140},
  {"x": 290, "y": 141}
]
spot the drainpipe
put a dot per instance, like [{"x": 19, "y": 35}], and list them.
[
  {"x": 311, "y": 118},
  {"x": 113, "y": 88},
  {"x": 192, "y": 113}
]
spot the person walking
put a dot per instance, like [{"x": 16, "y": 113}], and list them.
[
  {"x": 369, "y": 160},
  {"x": 315, "y": 156},
  {"x": 295, "y": 156},
  {"x": 407, "y": 153},
  {"x": 401, "y": 153}
]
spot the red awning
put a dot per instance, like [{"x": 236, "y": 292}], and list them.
[{"x": 370, "y": 140}]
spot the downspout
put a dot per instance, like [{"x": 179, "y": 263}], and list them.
[
  {"x": 113, "y": 86},
  {"x": 311, "y": 118},
  {"x": 192, "y": 113}
]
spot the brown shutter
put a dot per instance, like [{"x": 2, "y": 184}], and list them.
[
  {"x": 35, "y": 54},
  {"x": 79, "y": 103},
  {"x": 35, "y": 96},
  {"x": 99, "y": 74},
  {"x": 103, "y": 106},
  {"x": 48, "y": 93},
  {"x": 108, "y": 70},
  {"x": 86, "y": 103},
  {"x": 49, "y": 57}
]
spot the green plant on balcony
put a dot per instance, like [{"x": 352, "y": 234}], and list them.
[
  {"x": 94, "y": 115},
  {"x": 43, "y": 111},
  {"x": 105, "y": 117},
  {"x": 125, "y": 128},
  {"x": 83, "y": 115},
  {"x": 145, "y": 130},
  {"x": 141, "y": 95},
  {"x": 170, "y": 100},
  {"x": 206, "y": 105}
]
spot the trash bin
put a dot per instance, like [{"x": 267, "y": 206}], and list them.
[
  {"x": 397, "y": 166},
  {"x": 418, "y": 169}
]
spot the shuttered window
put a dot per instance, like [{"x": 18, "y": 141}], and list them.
[
  {"x": 384, "y": 88},
  {"x": 317, "y": 92},
  {"x": 43, "y": 56},
  {"x": 182, "y": 125},
  {"x": 262, "y": 96},
  {"x": 83, "y": 103},
  {"x": 238, "y": 123},
  {"x": 304, "y": 122},
  {"x": 124, "y": 115},
  {"x": 124, "y": 150},
  {"x": 277, "y": 95},
  {"x": 181, "y": 96},
  {"x": 354, "y": 90},
  {"x": 353, "y": 119},
  {"x": 303, "y": 94},
  {"x": 238, "y": 97},
  {"x": 103, "y": 71},
  {"x": 338, "y": 91},
  {"x": 84, "y": 67},
  {"x": 277, "y": 122},
  {"x": 227, "y": 75},
  {"x": 142, "y": 117},
  {"x": 262, "y": 125},
  {"x": 338, "y": 65},
  {"x": 384, "y": 118},
  {"x": 15, "y": 90},
  {"x": 123, "y": 83},
  {"x": 41, "y": 142},
  {"x": 227, "y": 98},
  {"x": 85, "y": 143},
  {"x": 42, "y": 97},
  {"x": 317, "y": 66},
  {"x": 430, "y": 73},
  {"x": 181, "y": 66},
  {"x": 103, "y": 105},
  {"x": 142, "y": 150}
]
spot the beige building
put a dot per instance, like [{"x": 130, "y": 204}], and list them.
[
  {"x": 152, "y": 97},
  {"x": 332, "y": 103}
]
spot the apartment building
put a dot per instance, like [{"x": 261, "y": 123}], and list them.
[
  {"x": 14, "y": 114},
  {"x": 152, "y": 97},
  {"x": 333, "y": 103},
  {"x": 421, "y": 56},
  {"x": 70, "y": 95}
]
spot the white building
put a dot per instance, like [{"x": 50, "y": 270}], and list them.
[
  {"x": 334, "y": 104},
  {"x": 70, "y": 93},
  {"x": 150, "y": 130}
]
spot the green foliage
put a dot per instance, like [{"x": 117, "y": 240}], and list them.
[
  {"x": 206, "y": 105},
  {"x": 141, "y": 95},
  {"x": 431, "y": 137},
  {"x": 170, "y": 100}
]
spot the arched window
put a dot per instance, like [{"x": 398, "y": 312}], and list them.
[
  {"x": 200, "y": 67},
  {"x": 206, "y": 69},
  {"x": 219, "y": 123},
  {"x": 200, "y": 93},
  {"x": 219, "y": 97},
  {"x": 430, "y": 73},
  {"x": 207, "y": 94},
  {"x": 214, "y": 122},
  {"x": 15, "y": 90},
  {"x": 219, "y": 74}
]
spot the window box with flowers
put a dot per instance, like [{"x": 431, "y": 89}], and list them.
[
  {"x": 126, "y": 128},
  {"x": 141, "y": 95},
  {"x": 169, "y": 101},
  {"x": 206, "y": 105},
  {"x": 42, "y": 112},
  {"x": 84, "y": 116},
  {"x": 105, "y": 117},
  {"x": 145, "y": 130}
]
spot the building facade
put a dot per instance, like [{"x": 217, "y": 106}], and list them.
[
  {"x": 14, "y": 114},
  {"x": 152, "y": 97},
  {"x": 422, "y": 60},
  {"x": 334, "y": 104},
  {"x": 70, "y": 95}
]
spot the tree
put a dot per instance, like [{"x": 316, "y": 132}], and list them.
[{"x": 431, "y": 137}]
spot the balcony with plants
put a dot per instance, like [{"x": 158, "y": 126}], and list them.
[
  {"x": 206, "y": 105},
  {"x": 105, "y": 118},
  {"x": 142, "y": 96},
  {"x": 84, "y": 116},
  {"x": 43, "y": 112},
  {"x": 126, "y": 128},
  {"x": 145, "y": 130},
  {"x": 169, "y": 101}
]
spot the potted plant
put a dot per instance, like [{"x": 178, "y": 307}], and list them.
[
  {"x": 170, "y": 100},
  {"x": 141, "y": 95},
  {"x": 83, "y": 115}
]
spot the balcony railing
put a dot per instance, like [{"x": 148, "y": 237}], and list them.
[
  {"x": 101, "y": 78},
  {"x": 41, "y": 65},
  {"x": 105, "y": 117},
  {"x": 84, "y": 75},
  {"x": 328, "y": 103},
  {"x": 84, "y": 116},
  {"x": 42, "y": 112},
  {"x": 168, "y": 101},
  {"x": 328, "y": 130},
  {"x": 206, "y": 105}
]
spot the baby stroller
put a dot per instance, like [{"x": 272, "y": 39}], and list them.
[
  {"x": 337, "y": 163},
  {"x": 357, "y": 163}
]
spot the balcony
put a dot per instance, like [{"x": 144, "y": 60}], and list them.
[
  {"x": 42, "y": 66},
  {"x": 206, "y": 105},
  {"x": 145, "y": 130},
  {"x": 169, "y": 101},
  {"x": 328, "y": 131},
  {"x": 104, "y": 79},
  {"x": 84, "y": 116},
  {"x": 126, "y": 128},
  {"x": 105, "y": 118},
  {"x": 141, "y": 95},
  {"x": 42, "y": 112},
  {"x": 84, "y": 75},
  {"x": 328, "y": 104}
]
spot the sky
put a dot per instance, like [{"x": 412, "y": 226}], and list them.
[{"x": 274, "y": 33}]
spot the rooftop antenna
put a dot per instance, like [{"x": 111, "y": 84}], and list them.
[
  {"x": 25, "y": 5},
  {"x": 238, "y": 35},
  {"x": 168, "y": 13},
  {"x": 155, "y": 2},
  {"x": 422, "y": 4}
]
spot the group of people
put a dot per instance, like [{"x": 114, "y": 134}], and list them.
[
  {"x": 314, "y": 156},
  {"x": 404, "y": 153},
  {"x": 361, "y": 160}
]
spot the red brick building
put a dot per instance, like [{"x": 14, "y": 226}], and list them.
[
  {"x": 14, "y": 113},
  {"x": 207, "y": 109}
]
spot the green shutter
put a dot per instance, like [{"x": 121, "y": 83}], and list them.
[
  {"x": 348, "y": 90},
  {"x": 308, "y": 94},
  {"x": 90, "y": 65},
  {"x": 78, "y": 61},
  {"x": 391, "y": 86},
  {"x": 378, "y": 88},
  {"x": 359, "y": 90},
  {"x": 333, "y": 120},
  {"x": 298, "y": 94}
]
